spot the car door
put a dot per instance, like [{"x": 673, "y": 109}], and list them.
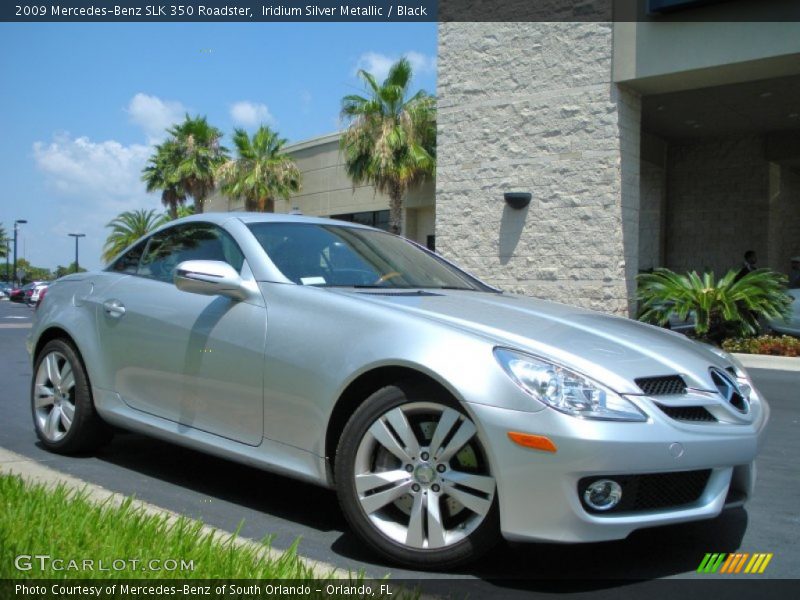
[{"x": 193, "y": 359}]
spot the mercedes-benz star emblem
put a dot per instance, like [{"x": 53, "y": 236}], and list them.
[{"x": 729, "y": 389}]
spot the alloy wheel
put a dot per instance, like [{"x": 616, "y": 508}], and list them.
[
  {"x": 54, "y": 396},
  {"x": 421, "y": 476}
]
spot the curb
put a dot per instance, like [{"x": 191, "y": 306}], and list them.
[
  {"x": 35, "y": 472},
  {"x": 764, "y": 361}
]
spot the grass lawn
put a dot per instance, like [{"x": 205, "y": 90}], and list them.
[{"x": 66, "y": 525}]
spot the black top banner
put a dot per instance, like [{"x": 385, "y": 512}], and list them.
[{"x": 398, "y": 11}]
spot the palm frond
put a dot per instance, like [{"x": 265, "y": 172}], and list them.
[
  {"x": 717, "y": 305},
  {"x": 390, "y": 140}
]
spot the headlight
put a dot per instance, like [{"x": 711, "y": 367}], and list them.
[{"x": 565, "y": 390}]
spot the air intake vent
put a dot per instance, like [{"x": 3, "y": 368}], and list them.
[
  {"x": 662, "y": 386},
  {"x": 692, "y": 414}
]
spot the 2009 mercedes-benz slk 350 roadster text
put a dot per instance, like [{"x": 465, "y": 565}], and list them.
[{"x": 444, "y": 412}]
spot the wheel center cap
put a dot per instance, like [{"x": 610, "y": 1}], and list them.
[{"x": 424, "y": 474}]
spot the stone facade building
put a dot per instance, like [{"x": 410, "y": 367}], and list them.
[
  {"x": 643, "y": 144},
  {"x": 654, "y": 143}
]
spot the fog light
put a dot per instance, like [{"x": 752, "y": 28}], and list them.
[{"x": 603, "y": 494}]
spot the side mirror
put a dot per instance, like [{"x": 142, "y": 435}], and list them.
[{"x": 210, "y": 278}]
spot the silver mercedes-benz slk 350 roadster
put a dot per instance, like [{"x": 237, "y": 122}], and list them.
[{"x": 444, "y": 412}]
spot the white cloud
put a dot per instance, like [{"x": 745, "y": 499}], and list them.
[
  {"x": 154, "y": 115},
  {"x": 379, "y": 64},
  {"x": 79, "y": 166},
  {"x": 94, "y": 181},
  {"x": 250, "y": 114}
]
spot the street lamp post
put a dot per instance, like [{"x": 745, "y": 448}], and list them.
[
  {"x": 76, "y": 236},
  {"x": 7, "y": 242},
  {"x": 17, "y": 222}
]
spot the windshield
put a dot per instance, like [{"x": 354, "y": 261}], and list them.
[{"x": 341, "y": 256}]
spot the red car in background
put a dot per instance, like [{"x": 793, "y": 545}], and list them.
[{"x": 28, "y": 293}]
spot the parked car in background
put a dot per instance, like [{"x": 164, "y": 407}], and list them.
[
  {"x": 24, "y": 293},
  {"x": 444, "y": 412},
  {"x": 18, "y": 294},
  {"x": 5, "y": 289},
  {"x": 790, "y": 326},
  {"x": 36, "y": 291}
]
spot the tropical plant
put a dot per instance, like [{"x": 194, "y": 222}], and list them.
[
  {"x": 184, "y": 210},
  {"x": 161, "y": 173},
  {"x": 261, "y": 171},
  {"x": 129, "y": 226},
  {"x": 186, "y": 163},
  {"x": 199, "y": 155},
  {"x": 3, "y": 240},
  {"x": 720, "y": 308},
  {"x": 390, "y": 141},
  {"x": 61, "y": 270},
  {"x": 33, "y": 273}
]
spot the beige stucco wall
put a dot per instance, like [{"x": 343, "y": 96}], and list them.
[
  {"x": 670, "y": 54},
  {"x": 532, "y": 107}
]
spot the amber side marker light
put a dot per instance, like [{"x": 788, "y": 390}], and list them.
[{"x": 536, "y": 442}]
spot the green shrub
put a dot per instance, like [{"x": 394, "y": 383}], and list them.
[{"x": 721, "y": 308}]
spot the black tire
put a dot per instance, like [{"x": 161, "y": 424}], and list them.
[
  {"x": 481, "y": 539},
  {"x": 87, "y": 431}
]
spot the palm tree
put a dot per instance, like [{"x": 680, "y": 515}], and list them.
[
  {"x": 391, "y": 139},
  {"x": 185, "y": 210},
  {"x": 198, "y": 156},
  {"x": 186, "y": 163},
  {"x": 129, "y": 226},
  {"x": 161, "y": 174},
  {"x": 720, "y": 308},
  {"x": 261, "y": 172},
  {"x": 3, "y": 240}
]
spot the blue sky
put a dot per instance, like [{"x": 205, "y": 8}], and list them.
[{"x": 82, "y": 104}]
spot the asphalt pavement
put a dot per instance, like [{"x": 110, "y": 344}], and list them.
[{"x": 228, "y": 495}]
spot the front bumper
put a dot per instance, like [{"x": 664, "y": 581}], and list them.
[{"x": 538, "y": 491}]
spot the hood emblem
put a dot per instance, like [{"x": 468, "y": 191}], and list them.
[{"x": 729, "y": 389}]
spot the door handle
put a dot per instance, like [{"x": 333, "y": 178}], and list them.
[{"x": 114, "y": 308}]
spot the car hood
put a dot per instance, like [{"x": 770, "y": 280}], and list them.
[{"x": 612, "y": 350}]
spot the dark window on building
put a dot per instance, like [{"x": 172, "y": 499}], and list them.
[
  {"x": 430, "y": 242},
  {"x": 375, "y": 218}
]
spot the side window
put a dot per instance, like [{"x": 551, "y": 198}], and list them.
[
  {"x": 129, "y": 262},
  {"x": 193, "y": 241}
]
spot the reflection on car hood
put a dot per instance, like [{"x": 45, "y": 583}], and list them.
[{"x": 613, "y": 350}]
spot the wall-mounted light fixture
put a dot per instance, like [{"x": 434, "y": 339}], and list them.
[{"x": 517, "y": 199}]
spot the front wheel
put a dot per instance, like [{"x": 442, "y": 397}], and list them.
[
  {"x": 414, "y": 480},
  {"x": 61, "y": 401}
]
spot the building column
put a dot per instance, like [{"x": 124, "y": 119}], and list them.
[{"x": 532, "y": 107}]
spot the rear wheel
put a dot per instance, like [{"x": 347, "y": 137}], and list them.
[
  {"x": 414, "y": 480},
  {"x": 61, "y": 402}
]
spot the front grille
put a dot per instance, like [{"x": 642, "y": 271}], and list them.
[
  {"x": 652, "y": 491},
  {"x": 694, "y": 414},
  {"x": 662, "y": 386}
]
